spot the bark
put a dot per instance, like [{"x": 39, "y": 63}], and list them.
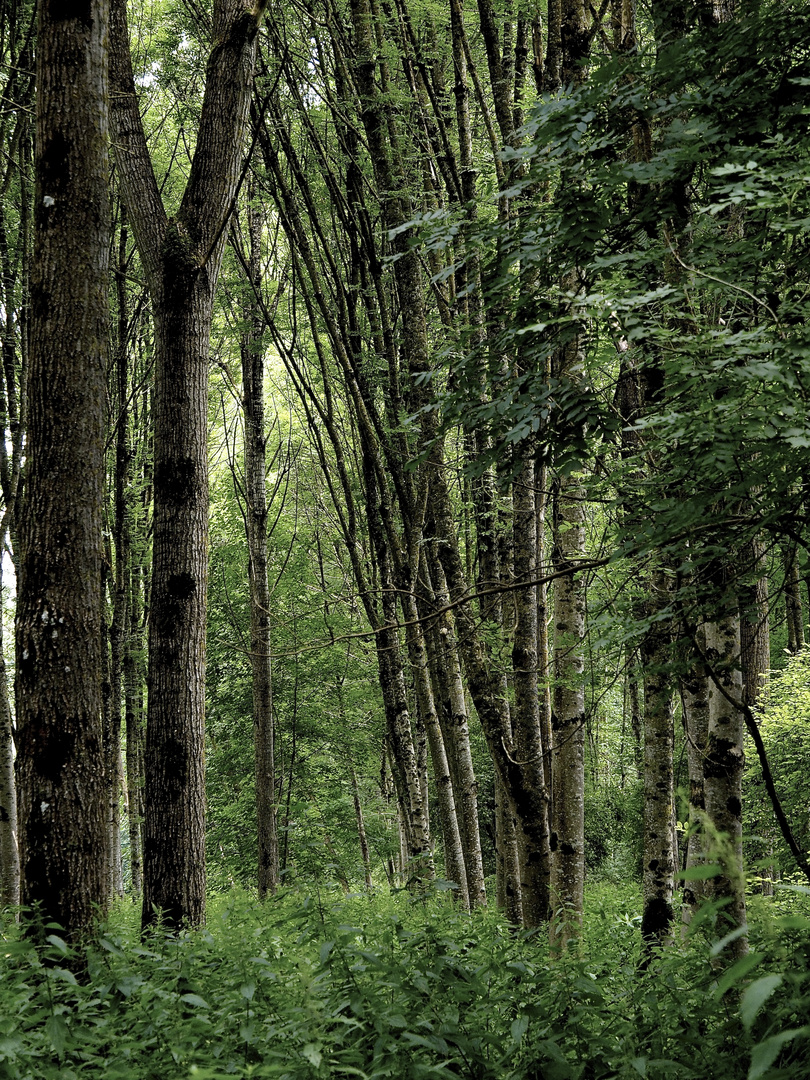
[
  {"x": 256, "y": 510},
  {"x": 528, "y": 743},
  {"x": 9, "y": 851},
  {"x": 133, "y": 722},
  {"x": 60, "y": 764},
  {"x": 723, "y": 768},
  {"x": 181, "y": 256},
  {"x": 695, "y": 702},
  {"x": 793, "y": 601},
  {"x": 455, "y": 725},
  {"x": 659, "y": 803},
  {"x": 568, "y": 717},
  {"x": 755, "y": 641},
  {"x": 453, "y": 852}
]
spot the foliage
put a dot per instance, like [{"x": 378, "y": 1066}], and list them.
[
  {"x": 306, "y": 987},
  {"x": 784, "y": 721}
]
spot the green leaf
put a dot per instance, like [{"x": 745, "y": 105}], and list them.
[
  {"x": 735, "y": 973},
  {"x": 56, "y": 1029},
  {"x": 755, "y": 997},
  {"x": 700, "y": 873},
  {"x": 247, "y": 990},
  {"x": 195, "y": 999},
  {"x": 312, "y": 1054},
  {"x": 519, "y": 1027},
  {"x": 765, "y": 1053}
]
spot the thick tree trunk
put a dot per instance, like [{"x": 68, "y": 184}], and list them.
[
  {"x": 252, "y": 350},
  {"x": 181, "y": 257},
  {"x": 61, "y": 781}
]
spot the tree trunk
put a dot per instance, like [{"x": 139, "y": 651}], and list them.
[
  {"x": 723, "y": 768},
  {"x": 659, "y": 740},
  {"x": 695, "y": 703},
  {"x": 568, "y": 717},
  {"x": 182, "y": 257},
  {"x": 755, "y": 639},
  {"x": 252, "y": 349},
  {"x": 61, "y": 781},
  {"x": 9, "y": 851},
  {"x": 528, "y": 743}
]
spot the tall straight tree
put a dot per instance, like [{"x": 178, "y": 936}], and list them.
[
  {"x": 181, "y": 255},
  {"x": 62, "y": 791}
]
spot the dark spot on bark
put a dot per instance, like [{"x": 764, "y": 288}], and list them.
[
  {"x": 734, "y": 806},
  {"x": 552, "y": 842},
  {"x": 4, "y": 815},
  {"x": 176, "y": 480},
  {"x": 722, "y": 759},
  {"x": 653, "y": 865},
  {"x": 54, "y": 171},
  {"x": 566, "y": 849},
  {"x": 53, "y": 747},
  {"x": 65, "y": 10},
  {"x": 175, "y": 765},
  {"x": 181, "y": 586},
  {"x": 656, "y": 918}
]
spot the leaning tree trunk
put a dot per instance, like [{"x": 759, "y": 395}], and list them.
[
  {"x": 182, "y": 256},
  {"x": 62, "y": 792}
]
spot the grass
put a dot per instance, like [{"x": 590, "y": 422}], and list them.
[{"x": 304, "y": 987}]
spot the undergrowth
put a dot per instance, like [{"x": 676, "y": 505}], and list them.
[{"x": 301, "y": 988}]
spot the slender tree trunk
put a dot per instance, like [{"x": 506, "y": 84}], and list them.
[
  {"x": 457, "y": 736},
  {"x": 133, "y": 722},
  {"x": 9, "y": 851},
  {"x": 793, "y": 601},
  {"x": 755, "y": 640},
  {"x": 528, "y": 743},
  {"x": 695, "y": 703},
  {"x": 659, "y": 740},
  {"x": 256, "y": 525},
  {"x": 568, "y": 717},
  {"x": 61, "y": 781},
  {"x": 723, "y": 767}
]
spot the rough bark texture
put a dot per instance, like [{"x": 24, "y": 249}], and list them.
[
  {"x": 723, "y": 768},
  {"x": 9, "y": 850},
  {"x": 659, "y": 739},
  {"x": 755, "y": 638},
  {"x": 361, "y": 831},
  {"x": 533, "y": 847},
  {"x": 568, "y": 717},
  {"x": 695, "y": 702},
  {"x": 181, "y": 256},
  {"x": 256, "y": 527},
  {"x": 61, "y": 782}
]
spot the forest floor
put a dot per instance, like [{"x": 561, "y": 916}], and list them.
[{"x": 310, "y": 986}]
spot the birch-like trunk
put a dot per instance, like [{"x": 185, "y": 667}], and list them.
[
  {"x": 9, "y": 851},
  {"x": 695, "y": 705},
  {"x": 723, "y": 769}
]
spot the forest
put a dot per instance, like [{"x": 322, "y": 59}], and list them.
[{"x": 404, "y": 521}]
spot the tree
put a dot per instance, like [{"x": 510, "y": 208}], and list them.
[
  {"x": 61, "y": 775},
  {"x": 181, "y": 256}
]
